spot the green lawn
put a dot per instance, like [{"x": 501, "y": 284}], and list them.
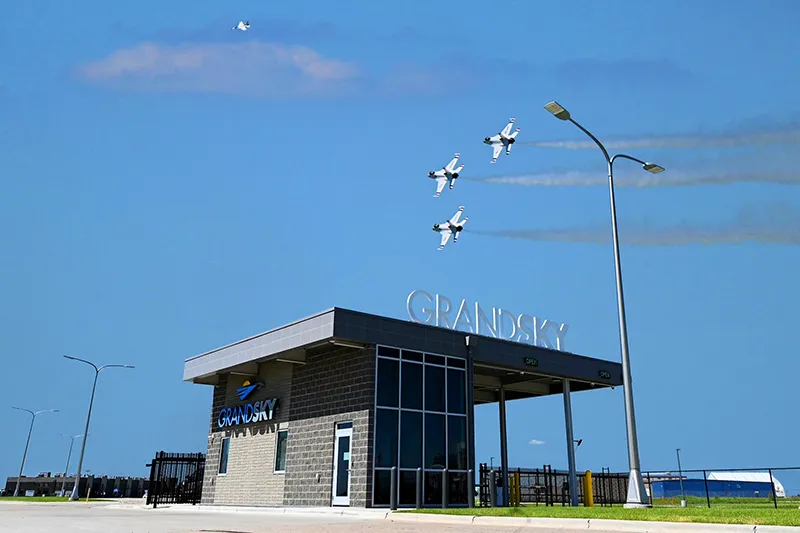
[{"x": 783, "y": 516}]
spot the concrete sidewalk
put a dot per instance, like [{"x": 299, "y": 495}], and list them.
[
  {"x": 571, "y": 524},
  {"x": 575, "y": 524}
]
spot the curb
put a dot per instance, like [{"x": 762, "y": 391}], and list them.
[
  {"x": 331, "y": 511},
  {"x": 573, "y": 524}
]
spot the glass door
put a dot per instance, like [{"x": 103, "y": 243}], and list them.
[{"x": 341, "y": 463}]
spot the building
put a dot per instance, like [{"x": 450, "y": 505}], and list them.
[
  {"x": 317, "y": 412},
  {"x": 46, "y": 484},
  {"x": 721, "y": 485}
]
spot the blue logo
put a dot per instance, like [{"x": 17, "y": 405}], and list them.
[{"x": 246, "y": 388}]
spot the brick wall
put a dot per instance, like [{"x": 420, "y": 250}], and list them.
[
  {"x": 250, "y": 479},
  {"x": 336, "y": 385}
]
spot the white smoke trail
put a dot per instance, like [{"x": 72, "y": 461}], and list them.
[
  {"x": 790, "y": 135},
  {"x": 666, "y": 179},
  {"x": 780, "y": 226}
]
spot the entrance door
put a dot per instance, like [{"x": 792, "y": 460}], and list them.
[{"x": 341, "y": 463}]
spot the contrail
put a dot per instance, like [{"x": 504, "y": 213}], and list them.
[
  {"x": 666, "y": 179},
  {"x": 790, "y": 135},
  {"x": 782, "y": 226}
]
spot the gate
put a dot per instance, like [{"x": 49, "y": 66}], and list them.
[{"x": 176, "y": 478}]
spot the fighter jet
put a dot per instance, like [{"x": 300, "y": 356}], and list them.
[
  {"x": 451, "y": 227},
  {"x": 503, "y": 139},
  {"x": 242, "y": 26},
  {"x": 447, "y": 173}
]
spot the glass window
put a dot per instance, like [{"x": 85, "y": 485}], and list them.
[
  {"x": 386, "y": 438},
  {"x": 456, "y": 362},
  {"x": 410, "y": 439},
  {"x": 456, "y": 391},
  {"x": 434, "y": 441},
  {"x": 434, "y": 359},
  {"x": 412, "y": 356},
  {"x": 457, "y": 493},
  {"x": 223, "y": 455},
  {"x": 433, "y": 488},
  {"x": 385, "y": 351},
  {"x": 388, "y": 382},
  {"x": 407, "y": 495},
  {"x": 457, "y": 442},
  {"x": 434, "y": 388},
  {"x": 280, "y": 450},
  {"x": 383, "y": 484},
  {"x": 411, "y": 383}
]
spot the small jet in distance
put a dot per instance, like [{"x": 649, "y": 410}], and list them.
[
  {"x": 242, "y": 26},
  {"x": 451, "y": 227},
  {"x": 448, "y": 172},
  {"x": 504, "y": 139}
]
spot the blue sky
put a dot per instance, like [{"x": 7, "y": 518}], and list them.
[{"x": 170, "y": 186}]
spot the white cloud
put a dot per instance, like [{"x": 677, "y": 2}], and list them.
[
  {"x": 535, "y": 442},
  {"x": 268, "y": 70}
]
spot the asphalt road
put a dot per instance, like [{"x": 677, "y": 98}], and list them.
[{"x": 81, "y": 517}]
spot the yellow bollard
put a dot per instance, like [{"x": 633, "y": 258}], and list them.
[
  {"x": 517, "y": 492},
  {"x": 588, "y": 493}
]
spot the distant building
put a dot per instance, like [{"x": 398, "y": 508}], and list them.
[
  {"x": 720, "y": 485},
  {"x": 46, "y": 484}
]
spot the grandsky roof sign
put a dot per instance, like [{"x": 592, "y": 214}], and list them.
[{"x": 440, "y": 311}]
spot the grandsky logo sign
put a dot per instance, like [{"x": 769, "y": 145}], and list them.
[
  {"x": 246, "y": 388},
  {"x": 504, "y": 324},
  {"x": 258, "y": 411}
]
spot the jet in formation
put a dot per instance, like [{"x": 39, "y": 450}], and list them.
[
  {"x": 242, "y": 26},
  {"x": 449, "y": 172},
  {"x": 450, "y": 228},
  {"x": 504, "y": 139}
]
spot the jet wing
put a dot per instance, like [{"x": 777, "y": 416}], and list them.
[
  {"x": 496, "y": 149},
  {"x": 507, "y": 130},
  {"x": 440, "y": 183},
  {"x": 446, "y": 233},
  {"x": 452, "y": 164},
  {"x": 454, "y": 219}
]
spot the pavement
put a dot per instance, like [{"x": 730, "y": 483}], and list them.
[{"x": 134, "y": 517}]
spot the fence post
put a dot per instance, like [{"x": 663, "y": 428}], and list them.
[
  {"x": 772, "y": 483},
  {"x": 589, "y": 490},
  {"x": 705, "y": 482},
  {"x": 419, "y": 488},
  {"x": 393, "y": 490},
  {"x": 518, "y": 487},
  {"x": 492, "y": 489},
  {"x": 471, "y": 489},
  {"x": 445, "y": 486}
]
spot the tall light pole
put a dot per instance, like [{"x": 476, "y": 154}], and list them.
[
  {"x": 637, "y": 496},
  {"x": 30, "y": 431},
  {"x": 69, "y": 456},
  {"x": 97, "y": 370},
  {"x": 680, "y": 478}
]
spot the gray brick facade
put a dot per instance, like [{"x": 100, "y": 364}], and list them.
[
  {"x": 337, "y": 385},
  {"x": 251, "y": 478}
]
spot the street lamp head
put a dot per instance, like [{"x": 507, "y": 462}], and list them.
[
  {"x": 652, "y": 167},
  {"x": 557, "y": 111}
]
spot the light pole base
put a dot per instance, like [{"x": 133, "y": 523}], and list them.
[{"x": 637, "y": 496}]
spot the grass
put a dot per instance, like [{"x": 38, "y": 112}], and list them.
[{"x": 724, "y": 514}]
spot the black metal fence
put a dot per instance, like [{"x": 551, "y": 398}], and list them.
[
  {"x": 725, "y": 487},
  {"x": 548, "y": 486},
  {"x": 732, "y": 487},
  {"x": 176, "y": 478}
]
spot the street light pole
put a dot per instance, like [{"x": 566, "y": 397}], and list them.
[
  {"x": 74, "y": 495},
  {"x": 637, "y": 496},
  {"x": 69, "y": 456},
  {"x": 30, "y": 431},
  {"x": 680, "y": 478}
]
